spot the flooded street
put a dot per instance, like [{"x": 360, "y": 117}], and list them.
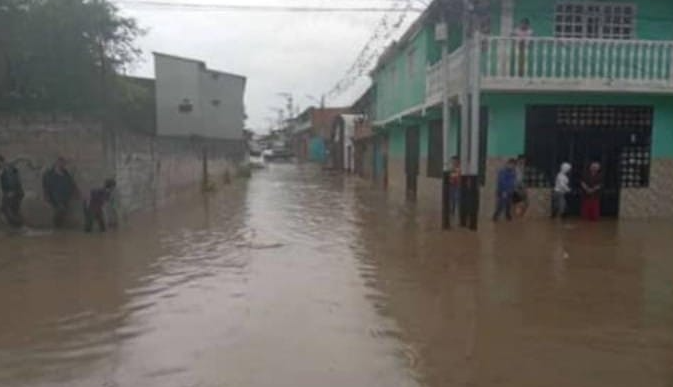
[{"x": 296, "y": 278}]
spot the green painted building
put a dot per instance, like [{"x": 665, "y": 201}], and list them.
[{"x": 576, "y": 81}]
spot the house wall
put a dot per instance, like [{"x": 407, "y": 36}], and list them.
[
  {"x": 399, "y": 90},
  {"x": 506, "y": 139},
  {"x": 223, "y": 120},
  {"x": 179, "y": 79},
  {"x": 429, "y": 188},
  {"x": 654, "y": 17},
  {"x": 507, "y": 118}
]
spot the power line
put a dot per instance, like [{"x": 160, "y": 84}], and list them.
[
  {"x": 372, "y": 49},
  {"x": 163, "y": 5}
]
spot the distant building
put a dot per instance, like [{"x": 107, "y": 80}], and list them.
[
  {"x": 312, "y": 131},
  {"x": 369, "y": 150},
  {"x": 193, "y": 100},
  {"x": 342, "y": 150}
]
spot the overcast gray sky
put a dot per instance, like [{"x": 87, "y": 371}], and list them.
[{"x": 300, "y": 53}]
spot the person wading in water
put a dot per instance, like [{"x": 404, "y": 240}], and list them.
[
  {"x": 592, "y": 184},
  {"x": 93, "y": 207},
  {"x": 59, "y": 190},
  {"x": 12, "y": 193},
  {"x": 561, "y": 189}
]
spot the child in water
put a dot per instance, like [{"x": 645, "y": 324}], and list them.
[{"x": 93, "y": 207}]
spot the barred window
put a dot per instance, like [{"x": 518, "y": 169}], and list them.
[{"x": 595, "y": 20}]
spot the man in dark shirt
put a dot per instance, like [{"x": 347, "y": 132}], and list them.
[
  {"x": 12, "y": 193},
  {"x": 59, "y": 190},
  {"x": 592, "y": 184},
  {"x": 93, "y": 207}
]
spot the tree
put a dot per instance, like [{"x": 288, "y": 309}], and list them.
[{"x": 62, "y": 55}]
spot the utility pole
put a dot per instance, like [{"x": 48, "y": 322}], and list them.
[
  {"x": 470, "y": 120},
  {"x": 442, "y": 35}
]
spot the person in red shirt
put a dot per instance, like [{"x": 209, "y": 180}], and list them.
[{"x": 592, "y": 185}]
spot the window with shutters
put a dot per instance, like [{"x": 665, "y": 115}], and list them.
[{"x": 595, "y": 20}]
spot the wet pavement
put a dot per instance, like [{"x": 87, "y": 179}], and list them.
[{"x": 299, "y": 279}]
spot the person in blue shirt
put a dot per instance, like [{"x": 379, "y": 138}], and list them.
[{"x": 506, "y": 187}]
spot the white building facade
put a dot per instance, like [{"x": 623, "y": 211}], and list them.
[{"x": 193, "y": 100}]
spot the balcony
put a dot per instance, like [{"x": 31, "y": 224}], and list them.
[
  {"x": 437, "y": 73},
  {"x": 550, "y": 64}
]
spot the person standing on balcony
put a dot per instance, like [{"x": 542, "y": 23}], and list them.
[
  {"x": 506, "y": 187},
  {"x": 592, "y": 184},
  {"x": 523, "y": 33}
]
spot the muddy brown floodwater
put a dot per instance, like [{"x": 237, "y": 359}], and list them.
[{"x": 299, "y": 279}]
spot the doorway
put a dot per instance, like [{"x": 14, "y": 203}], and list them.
[{"x": 618, "y": 137}]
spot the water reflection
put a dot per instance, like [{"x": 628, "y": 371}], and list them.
[
  {"x": 298, "y": 278},
  {"x": 525, "y": 304}
]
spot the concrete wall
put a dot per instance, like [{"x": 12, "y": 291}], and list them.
[
  {"x": 150, "y": 171},
  {"x": 217, "y": 99},
  {"x": 36, "y": 143}
]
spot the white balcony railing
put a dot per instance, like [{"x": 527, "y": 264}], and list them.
[
  {"x": 437, "y": 75},
  {"x": 577, "y": 63},
  {"x": 551, "y": 64}
]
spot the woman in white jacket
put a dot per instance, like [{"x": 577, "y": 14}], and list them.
[{"x": 561, "y": 188}]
